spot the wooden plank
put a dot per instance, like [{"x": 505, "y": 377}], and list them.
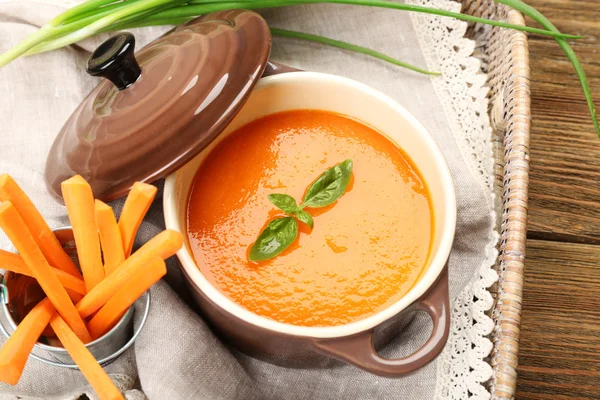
[
  {"x": 559, "y": 356},
  {"x": 565, "y": 152}
]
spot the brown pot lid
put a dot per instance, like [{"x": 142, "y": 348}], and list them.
[{"x": 141, "y": 127}]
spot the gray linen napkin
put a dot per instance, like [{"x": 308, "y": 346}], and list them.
[{"x": 177, "y": 356}]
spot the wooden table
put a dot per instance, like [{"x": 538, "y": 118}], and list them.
[{"x": 560, "y": 336}]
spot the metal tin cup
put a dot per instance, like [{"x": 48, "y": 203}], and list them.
[{"x": 19, "y": 293}]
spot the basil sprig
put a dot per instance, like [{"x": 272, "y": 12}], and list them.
[
  {"x": 329, "y": 187},
  {"x": 276, "y": 237},
  {"x": 284, "y": 202},
  {"x": 283, "y": 231}
]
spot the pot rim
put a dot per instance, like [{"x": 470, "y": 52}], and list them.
[{"x": 436, "y": 266}]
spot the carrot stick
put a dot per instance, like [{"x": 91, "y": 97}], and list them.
[
  {"x": 136, "y": 206},
  {"x": 14, "y": 263},
  {"x": 15, "y": 352},
  {"x": 16, "y": 230},
  {"x": 79, "y": 200},
  {"x": 110, "y": 237},
  {"x": 42, "y": 234},
  {"x": 74, "y": 296},
  {"x": 163, "y": 245},
  {"x": 93, "y": 372},
  {"x": 114, "y": 309}
]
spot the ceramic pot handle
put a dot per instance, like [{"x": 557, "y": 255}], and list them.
[{"x": 358, "y": 350}]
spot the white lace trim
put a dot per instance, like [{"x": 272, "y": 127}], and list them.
[{"x": 462, "y": 368}]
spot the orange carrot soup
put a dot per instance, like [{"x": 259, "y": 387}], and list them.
[{"x": 366, "y": 250}]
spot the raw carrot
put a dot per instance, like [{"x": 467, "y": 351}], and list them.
[
  {"x": 42, "y": 234},
  {"x": 75, "y": 297},
  {"x": 15, "y": 352},
  {"x": 110, "y": 237},
  {"x": 79, "y": 200},
  {"x": 163, "y": 245},
  {"x": 114, "y": 309},
  {"x": 89, "y": 367},
  {"x": 16, "y": 230},
  {"x": 136, "y": 206},
  {"x": 14, "y": 263}
]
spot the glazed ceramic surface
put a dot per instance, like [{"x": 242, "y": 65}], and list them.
[
  {"x": 193, "y": 81},
  {"x": 165, "y": 108},
  {"x": 351, "y": 342}
]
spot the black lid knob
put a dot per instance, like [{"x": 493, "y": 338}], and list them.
[{"x": 114, "y": 59}]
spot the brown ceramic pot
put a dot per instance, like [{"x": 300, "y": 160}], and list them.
[
  {"x": 351, "y": 343},
  {"x": 162, "y": 110}
]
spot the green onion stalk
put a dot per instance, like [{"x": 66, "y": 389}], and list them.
[
  {"x": 97, "y": 16},
  {"x": 565, "y": 46},
  {"x": 348, "y": 46}
]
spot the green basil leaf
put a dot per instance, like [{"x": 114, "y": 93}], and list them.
[
  {"x": 305, "y": 217},
  {"x": 284, "y": 202},
  {"x": 275, "y": 238},
  {"x": 330, "y": 186}
]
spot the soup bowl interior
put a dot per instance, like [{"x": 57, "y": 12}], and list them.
[{"x": 310, "y": 90}]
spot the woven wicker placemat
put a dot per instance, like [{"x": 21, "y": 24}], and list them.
[{"x": 506, "y": 57}]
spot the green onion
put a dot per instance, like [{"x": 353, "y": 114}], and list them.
[
  {"x": 131, "y": 11},
  {"x": 79, "y": 10},
  {"x": 195, "y": 8},
  {"x": 302, "y": 36},
  {"x": 566, "y": 47},
  {"x": 155, "y": 10},
  {"x": 97, "y": 16},
  {"x": 350, "y": 47},
  {"x": 142, "y": 23},
  {"x": 86, "y": 9}
]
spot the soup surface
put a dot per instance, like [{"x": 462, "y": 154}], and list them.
[{"x": 366, "y": 250}]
